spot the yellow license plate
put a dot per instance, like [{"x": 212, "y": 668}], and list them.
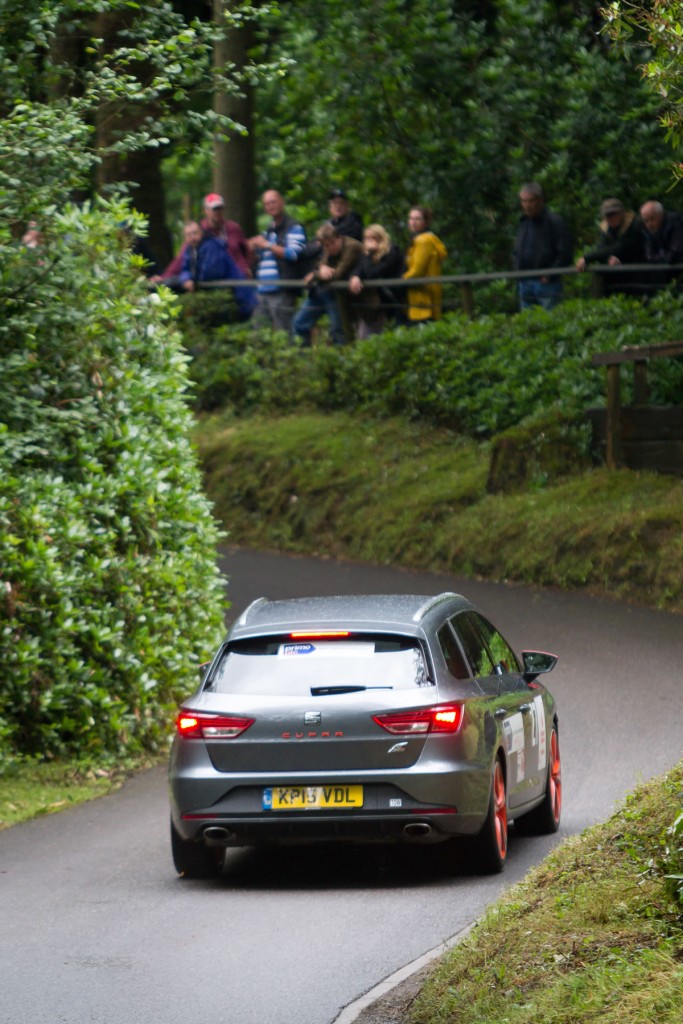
[{"x": 311, "y": 798}]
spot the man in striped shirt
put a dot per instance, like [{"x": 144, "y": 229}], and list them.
[{"x": 280, "y": 251}]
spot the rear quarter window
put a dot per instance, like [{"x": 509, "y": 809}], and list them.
[
  {"x": 472, "y": 644},
  {"x": 455, "y": 662}
]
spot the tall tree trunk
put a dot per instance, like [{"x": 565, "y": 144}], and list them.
[
  {"x": 142, "y": 168},
  {"x": 234, "y": 174}
]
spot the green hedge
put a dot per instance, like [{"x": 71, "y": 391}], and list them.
[
  {"x": 109, "y": 594},
  {"x": 478, "y": 377}
]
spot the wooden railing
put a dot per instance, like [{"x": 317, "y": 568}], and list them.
[{"x": 639, "y": 356}]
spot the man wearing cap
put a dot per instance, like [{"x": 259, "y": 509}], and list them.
[
  {"x": 228, "y": 230},
  {"x": 621, "y": 237},
  {"x": 342, "y": 217}
]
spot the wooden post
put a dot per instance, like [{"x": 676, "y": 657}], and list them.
[
  {"x": 640, "y": 385},
  {"x": 613, "y": 455},
  {"x": 597, "y": 285},
  {"x": 467, "y": 296},
  {"x": 345, "y": 315}
]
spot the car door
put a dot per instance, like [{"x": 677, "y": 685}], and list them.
[
  {"x": 530, "y": 728},
  {"x": 496, "y": 670}
]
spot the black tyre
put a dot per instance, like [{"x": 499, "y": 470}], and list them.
[
  {"x": 491, "y": 845},
  {"x": 195, "y": 860},
  {"x": 545, "y": 819}
]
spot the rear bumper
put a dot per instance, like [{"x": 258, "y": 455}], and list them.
[
  {"x": 361, "y": 828},
  {"x": 389, "y": 814},
  {"x": 429, "y": 802}
]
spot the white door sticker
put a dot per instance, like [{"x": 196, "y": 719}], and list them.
[
  {"x": 513, "y": 729},
  {"x": 539, "y": 731}
]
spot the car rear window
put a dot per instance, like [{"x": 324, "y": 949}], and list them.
[{"x": 283, "y": 666}]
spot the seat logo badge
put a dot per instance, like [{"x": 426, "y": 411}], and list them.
[
  {"x": 313, "y": 718},
  {"x": 398, "y": 747}
]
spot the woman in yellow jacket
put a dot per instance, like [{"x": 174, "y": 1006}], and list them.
[{"x": 424, "y": 258}]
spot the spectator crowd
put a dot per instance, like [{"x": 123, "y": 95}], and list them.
[{"x": 282, "y": 262}]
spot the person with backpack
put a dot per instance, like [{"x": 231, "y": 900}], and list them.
[
  {"x": 280, "y": 251},
  {"x": 206, "y": 259}
]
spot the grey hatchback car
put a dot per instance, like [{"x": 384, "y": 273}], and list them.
[{"x": 370, "y": 718}]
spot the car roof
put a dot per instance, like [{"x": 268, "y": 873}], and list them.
[{"x": 405, "y": 613}]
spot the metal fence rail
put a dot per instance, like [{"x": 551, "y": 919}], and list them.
[{"x": 603, "y": 279}]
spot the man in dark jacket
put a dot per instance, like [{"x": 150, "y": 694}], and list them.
[
  {"x": 543, "y": 241},
  {"x": 621, "y": 240},
  {"x": 342, "y": 217},
  {"x": 663, "y": 231}
]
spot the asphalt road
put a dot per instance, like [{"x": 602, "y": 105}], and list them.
[{"x": 97, "y": 929}]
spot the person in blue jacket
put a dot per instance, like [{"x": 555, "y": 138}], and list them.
[{"x": 206, "y": 259}]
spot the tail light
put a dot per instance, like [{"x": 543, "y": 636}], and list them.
[
  {"x": 444, "y": 718},
  {"x": 193, "y": 726}
]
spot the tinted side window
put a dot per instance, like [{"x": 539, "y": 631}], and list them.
[
  {"x": 501, "y": 651},
  {"x": 473, "y": 644},
  {"x": 452, "y": 653}
]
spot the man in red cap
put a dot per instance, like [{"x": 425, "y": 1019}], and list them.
[{"x": 228, "y": 230}]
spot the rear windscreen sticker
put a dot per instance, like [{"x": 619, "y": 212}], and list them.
[
  {"x": 335, "y": 649},
  {"x": 286, "y": 650}
]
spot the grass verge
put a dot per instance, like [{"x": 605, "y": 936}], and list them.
[
  {"x": 594, "y": 935},
  {"x": 391, "y": 492},
  {"x": 29, "y": 789}
]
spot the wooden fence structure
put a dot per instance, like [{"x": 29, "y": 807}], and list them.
[{"x": 639, "y": 436}]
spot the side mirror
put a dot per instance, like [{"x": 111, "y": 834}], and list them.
[{"x": 536, "y": 663}]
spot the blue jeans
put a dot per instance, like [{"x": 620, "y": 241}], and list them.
[
  {"x": 319, "y": 302},
  {"x": 533, "y": 292}
]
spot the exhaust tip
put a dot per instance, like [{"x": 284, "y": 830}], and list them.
[
  {"x": 417, "y": 830},
  {"x": 217, "y": 835}
]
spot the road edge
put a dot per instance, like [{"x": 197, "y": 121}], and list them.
[{"x": 404, "y": 976}]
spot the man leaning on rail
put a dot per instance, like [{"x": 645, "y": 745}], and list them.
[
  {"x": 663, "y": 233},
  {"x": 620, "y": 241}
]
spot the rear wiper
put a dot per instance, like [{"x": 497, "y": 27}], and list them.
[{"x": 326, "y": 691}]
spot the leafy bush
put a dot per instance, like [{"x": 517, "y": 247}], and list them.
[
  {"x": 672, "y": 862},
  {"x": 109, "y": 594},
  {"x": 479, "y": 377}
]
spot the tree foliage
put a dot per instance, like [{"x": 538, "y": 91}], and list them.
[
  {"x": 155, "y": 57},
  {"x": 143, "y": 75},
  {"x": 660, "y": 24},
  {"x": 454, "y": 105}
]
